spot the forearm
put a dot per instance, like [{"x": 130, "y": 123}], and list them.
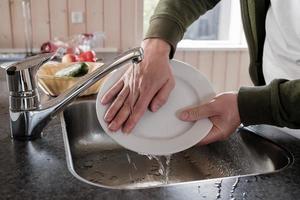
[
  {"x": 156, "y": 47},
  {"x": 172, "y": 17},
  {"x": 276, "y": 104}
]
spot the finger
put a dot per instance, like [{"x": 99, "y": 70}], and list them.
[
  {"x": 112, "y": 92},
  {"x": 214, "y": 135},
  {"x": 197, "y": 113},
  {"x": 138, "y": 111},
  {"x": 116, "y": 105},
  {"x": 120, "y": 118},
  {"x": 162, "y": 96}
]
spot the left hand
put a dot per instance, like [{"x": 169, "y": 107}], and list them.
[{"x": 223, "y": 113}]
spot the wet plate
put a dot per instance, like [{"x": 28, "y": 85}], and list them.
[{"x": 162, "y": 133}]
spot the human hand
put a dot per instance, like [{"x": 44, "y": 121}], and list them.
[
  {"x": 154, "y": 83},
  {"x": 223, "y": 113}
]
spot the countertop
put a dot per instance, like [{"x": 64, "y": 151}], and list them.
[{"x": 38, "y": 170}]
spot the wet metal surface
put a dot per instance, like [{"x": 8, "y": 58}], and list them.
[{"x": 95, "y": 158}]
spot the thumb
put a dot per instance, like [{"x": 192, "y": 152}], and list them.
[{"x": 196, "y": 113}]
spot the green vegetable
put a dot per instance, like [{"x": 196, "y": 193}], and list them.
[{"x": 74, "y": 70}]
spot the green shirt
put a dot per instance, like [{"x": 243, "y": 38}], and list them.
[{"x": 277, "y": 103}]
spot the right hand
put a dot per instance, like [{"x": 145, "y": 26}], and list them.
[{"x": 154, "y": 83}]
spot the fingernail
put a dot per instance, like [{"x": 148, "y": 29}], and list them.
[
  {"x": 107, "y": 118},
  {"x": 155, "y": 108},
  {"x": 102, "y": 101},
  {"x": 112, "y": 126},
  {"x": 127, "y": 129},
  {"x": 184, "y": 115}
]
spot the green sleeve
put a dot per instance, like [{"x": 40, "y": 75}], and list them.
[
  {"x": 276, "y": 104},
  {"x": 172, "y": 17}
]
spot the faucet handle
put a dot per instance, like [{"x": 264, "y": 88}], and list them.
[
  {"x": 33, "y": 63},
  {"x": 21, "y": 80}
]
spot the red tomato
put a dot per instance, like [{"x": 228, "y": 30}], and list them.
[
  {"x": 90, "y": 59},
  {"x": 81, "y": 57},
  {"x": 88, "y": 56}
]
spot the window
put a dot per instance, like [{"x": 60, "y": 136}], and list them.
[{"x": 219, "y": 27}]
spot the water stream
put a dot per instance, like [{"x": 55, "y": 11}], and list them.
[
  {"x": 132, "y": 85},
  {"x": 163, "y": 170}
]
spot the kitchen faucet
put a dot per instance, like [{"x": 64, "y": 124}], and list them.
[{"x": 28, "y": 116}]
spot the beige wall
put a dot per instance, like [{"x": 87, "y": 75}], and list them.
[
  {"x": 121, "y": 20},
  {"x": 122, "y": 23},
  {"x": 227, "y": 70}
]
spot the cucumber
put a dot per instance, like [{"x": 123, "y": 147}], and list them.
[{"x": 74, "y": 70}]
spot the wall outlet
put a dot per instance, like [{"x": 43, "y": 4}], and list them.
[{"x": 77, "y": 17}]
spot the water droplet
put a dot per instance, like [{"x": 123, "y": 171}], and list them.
[
  {"x": 113, "y": 178},
  {"x": 235, "y": 184},
  {"x": 134, "y": 166},
  {"x": 128, "y": 158},
  {"x": 88, "y": 164}
]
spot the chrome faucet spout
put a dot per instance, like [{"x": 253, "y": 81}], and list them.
[{"x": 28, "y": 116}]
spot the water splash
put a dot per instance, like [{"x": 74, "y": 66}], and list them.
[
  {"x": 168, "y": 161},
  {"x": 162, "y": 170}
]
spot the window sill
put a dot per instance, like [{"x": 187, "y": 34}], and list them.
[{"x": 210, "y": 45}]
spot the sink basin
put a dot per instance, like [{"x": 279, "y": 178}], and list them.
[{"x": 95, "y": 158}]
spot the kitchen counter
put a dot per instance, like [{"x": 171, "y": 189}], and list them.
[{"x": 38, "y": 170}]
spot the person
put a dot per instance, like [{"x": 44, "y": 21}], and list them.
[{"x": 273, "y": 36}]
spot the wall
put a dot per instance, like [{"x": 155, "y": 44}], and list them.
[
  {"x": 122, "y": 22},
  {"x": 52, "y": 18},
  {"x": 227, "y": 70}
]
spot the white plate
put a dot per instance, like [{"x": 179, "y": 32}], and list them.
[{"x": 162, "y": 133}]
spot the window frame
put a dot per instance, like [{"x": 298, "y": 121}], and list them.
[{"x": 236, "y": 39}]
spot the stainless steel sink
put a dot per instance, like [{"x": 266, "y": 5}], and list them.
[{"x": 96, "y": 159}]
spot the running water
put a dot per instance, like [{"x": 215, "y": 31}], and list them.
[
  {"x": 168, "y": 160},
  {"x": 162, "y": 170},
  {"x": 132, "y": 85},
  {"x": 132, "y": 80}
]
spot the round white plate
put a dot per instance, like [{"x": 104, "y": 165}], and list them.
[{"x": 162, "y": 133}]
